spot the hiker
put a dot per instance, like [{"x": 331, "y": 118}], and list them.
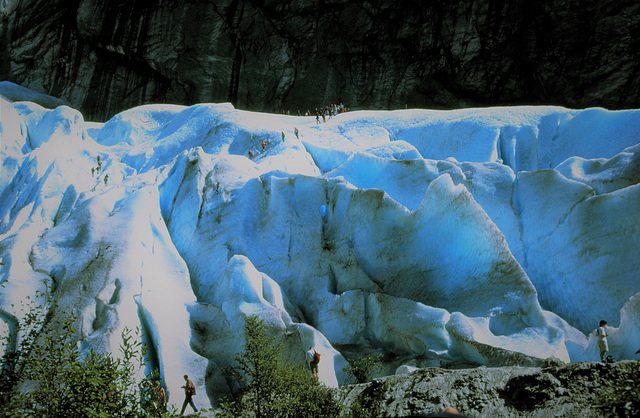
[
  {"x": 295, "y": 131},
  {"x": 189, "y": 392},
  {"x": 264, "y": 144},
  {"x": 313, "y": 358},
  {"x": 250, "y": 154},
  {"x": 159, "y": 397},
  {"x": 602, "y": 335},
  {"x": 283, "y": 135}
]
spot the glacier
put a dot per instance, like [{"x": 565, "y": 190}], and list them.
[{"x": 493, "y": 236}]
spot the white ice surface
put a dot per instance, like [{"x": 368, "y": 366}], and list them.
[{"x": 496, "y": 235}]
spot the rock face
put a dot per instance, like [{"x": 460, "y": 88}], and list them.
[
  {"x": 106, "y": 56},
  {"x": 568, "y": 391}
]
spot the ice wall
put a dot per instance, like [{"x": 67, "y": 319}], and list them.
[{"x": 495, "y": 236}]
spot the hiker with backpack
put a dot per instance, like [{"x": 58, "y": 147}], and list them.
[
  {"x": 189, "y": 392},
  {"x": 313, "y": 358}
]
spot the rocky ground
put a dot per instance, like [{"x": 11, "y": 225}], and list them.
[{"x": 554, "y": 390}]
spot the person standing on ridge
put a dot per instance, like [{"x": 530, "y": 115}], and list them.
[
  {"x": 602, "y": 335},
  {"x": 189, "y": 391},
  {"x": 313, "y": 358}
]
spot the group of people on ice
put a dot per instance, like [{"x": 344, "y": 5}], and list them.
[
  {"x": 322, "y": 111},
  {"x": 328, "y": 111}
]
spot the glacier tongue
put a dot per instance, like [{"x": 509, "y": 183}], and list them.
[{"x": 495, "y": 236}]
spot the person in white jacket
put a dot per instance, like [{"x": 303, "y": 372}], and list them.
[{"x": 601, "y": 334}]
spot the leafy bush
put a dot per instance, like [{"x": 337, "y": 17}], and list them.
[
  {"x": 272, "y": 386},
  {"x": 362, "y": 370},
  {"x": 44, "y": 374}
]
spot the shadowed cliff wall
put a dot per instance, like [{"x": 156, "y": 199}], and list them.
[{"x": 106, "y": 56}]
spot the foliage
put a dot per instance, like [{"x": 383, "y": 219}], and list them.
[
  {"x": 17, "y": 352},
  {"x": 272, "y": 386},
  {"x": 362, "y": 370},
  {"x": 302, "y": 396},
  {"x": 370, "y": 403},
  {"x": 622, "y": 397},
  {"x": 45, "y": 374}
]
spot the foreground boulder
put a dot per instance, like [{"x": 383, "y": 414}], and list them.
[{"x": 571, "y": 390}]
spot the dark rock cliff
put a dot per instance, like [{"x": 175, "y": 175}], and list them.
[{"x": 103, "y": 56}]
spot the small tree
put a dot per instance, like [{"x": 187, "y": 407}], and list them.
[
  {"x": 59, "y": 382},
  {"x": 44, "y": 373},
  {"x": 18, "y": 350},
  {"x": 362, "y": 370},
  {"x": 300, "y": 395},
  {"x": 258, "y": 365},
  {"x": 271, "y": 386}
]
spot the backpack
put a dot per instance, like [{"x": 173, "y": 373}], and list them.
[{"x": 316, "y": 357}]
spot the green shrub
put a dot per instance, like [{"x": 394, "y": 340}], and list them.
[
  {"x": 362, "y": 370},
  {"x": 44, "y": 374},
  {"x": 272, "y": 386}
]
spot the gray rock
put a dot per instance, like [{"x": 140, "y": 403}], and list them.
[{"x": 570, "y": 390}]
